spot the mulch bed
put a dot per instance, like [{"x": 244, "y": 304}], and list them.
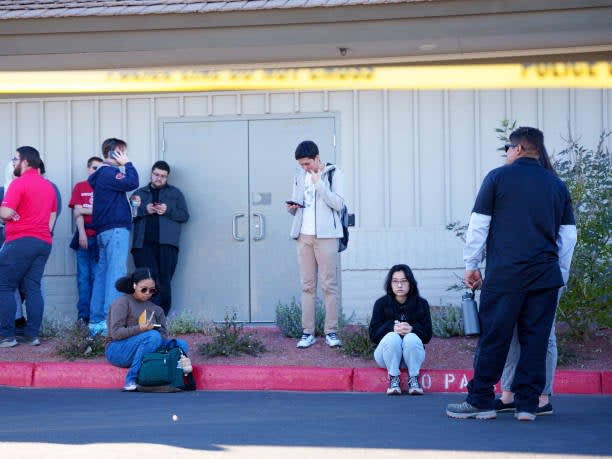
[{"x": 442, "y": 353}]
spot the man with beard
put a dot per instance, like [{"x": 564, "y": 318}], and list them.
[{"x": 29, "y": 212}]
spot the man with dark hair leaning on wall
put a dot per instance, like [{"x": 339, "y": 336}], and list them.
[
  {"x": 523, "y": 215},
  {"x": 157, "y": 229}
]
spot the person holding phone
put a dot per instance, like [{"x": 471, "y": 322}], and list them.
[
  {"x": 315, "y": 204},
  {"x": 130, "y": 337},
  {"x": 157, "y": 229},
  {"x": 400, "y": 327},
  {"x": 112, "y": 221}
]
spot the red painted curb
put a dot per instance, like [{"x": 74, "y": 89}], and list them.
[
  {"x": 17, "y": 374},
  {"x": 85, "y": 375},
  {"x": 308, "y": 379},
  {"x": 606, "y": 382},
  {"x": 577, "y": 382}
]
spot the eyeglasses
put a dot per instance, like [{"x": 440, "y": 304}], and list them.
[
  {"x": 399, "y": 281},
  {"x": 146, "y": 290},
  {"x": 508, "y": 146},
  {"x": 161, "y": 176}
]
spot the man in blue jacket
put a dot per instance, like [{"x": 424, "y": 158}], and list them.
[{"x": 112, "y": 221}]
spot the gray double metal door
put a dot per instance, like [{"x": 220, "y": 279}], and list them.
[{"x": 236, "y": 254}]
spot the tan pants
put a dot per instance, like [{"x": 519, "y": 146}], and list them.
[{"x": 318, "y": 256}]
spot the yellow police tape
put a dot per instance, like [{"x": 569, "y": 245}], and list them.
[{"x": 549, "y": 75}]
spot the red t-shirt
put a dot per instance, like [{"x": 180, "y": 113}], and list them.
[
  {"x": 82, "y": 195},
  {"x": 32, "y": 197}
]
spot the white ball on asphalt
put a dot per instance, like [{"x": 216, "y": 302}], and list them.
[{"x": 174, "y": 417}]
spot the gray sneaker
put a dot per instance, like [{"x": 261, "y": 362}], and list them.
[
  {"x": 29, "y": 341},
  {"x": 466, "y": 411},
  {"x": 525, "y": 416},
  {"x": 306, "y": 341},
  {"x": 394, "y": 386},
  {"x": 8, "y": 342},
  {"x": 414, "y": 388}
]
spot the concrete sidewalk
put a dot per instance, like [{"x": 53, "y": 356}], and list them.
[{"x": 291, "y": 378}]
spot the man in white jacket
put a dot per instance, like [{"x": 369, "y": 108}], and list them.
[
  {"x": 523, "y": 216},
  {"x": 315, "y": 206}
]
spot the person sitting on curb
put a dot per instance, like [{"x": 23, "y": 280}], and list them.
[
  {"x": 129, "y": 339},
  {"x": 400, "y": 326}
]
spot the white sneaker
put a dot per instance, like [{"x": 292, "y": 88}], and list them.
[
  {"x": 332, "y": 340},
  {"x": 130, "y": 387},
  {"x": 306, "y": 341}
]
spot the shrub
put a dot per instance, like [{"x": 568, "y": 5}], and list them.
[
  {"x": 446, "y": 321},
  {"x": 229, "y": 339},
  {"x": 585, "y": 304},
  {"x": 289, "y": 318},
  {"x": 53, "y": 328},
  {"x": 184, "y": 323},
  {"x": 356, "y": 341},
  {"x": 76, "y": 343}
]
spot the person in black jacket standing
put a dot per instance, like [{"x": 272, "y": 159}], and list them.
[
  {"x": 400, "y": 326},
  {"x": 161, "y": 212}
]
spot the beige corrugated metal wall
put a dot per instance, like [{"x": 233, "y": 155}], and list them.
[{"x": 413, "y": 161}]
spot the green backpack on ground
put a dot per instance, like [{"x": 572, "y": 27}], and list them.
[{"x": 160, "y": 372}]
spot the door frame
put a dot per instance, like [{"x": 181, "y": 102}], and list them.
[{"x": 161, "y": 153}]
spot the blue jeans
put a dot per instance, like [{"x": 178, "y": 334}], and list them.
[
  {"x": 86, "y": 261},
  {"x": 393, "y": 351},
  {"x": 129, "y": 352},
  {"x": 24, "y": 260},
  {"x": 113, "y": 252}
]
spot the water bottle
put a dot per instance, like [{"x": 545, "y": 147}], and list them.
[{"x": 471, "y": 325}]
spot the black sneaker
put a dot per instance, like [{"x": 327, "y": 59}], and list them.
[
  {"x": 543, "y": 410},
  {"x": 501, "y": 406}
]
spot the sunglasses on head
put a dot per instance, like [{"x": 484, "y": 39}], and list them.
[{"x": 146, "y": 290}]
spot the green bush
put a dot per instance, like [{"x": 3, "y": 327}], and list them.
[
  {"x": 585, "y": 304},
  {"x": 289, "y": 318},
  {"x": 229, "y": 339},
  {"x": 76, "y": 343},
  {"x": 446, "y": 321},
  {"x": 183, "y": 324},
  {"x": 356, "y": 341}
]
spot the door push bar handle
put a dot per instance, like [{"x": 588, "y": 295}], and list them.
[
  {"x": 259, "y": 225},
  {"x": 235, "y": 218}
]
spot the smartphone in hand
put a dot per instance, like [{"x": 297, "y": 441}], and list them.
[{"x": 293, "y": 203}]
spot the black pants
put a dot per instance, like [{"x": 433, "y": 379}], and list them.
[
  {"x": 533, "y": 312},
  {"x": 161, "y": 260}
]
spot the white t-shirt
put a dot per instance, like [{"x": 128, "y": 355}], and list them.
[{"x": 308, "y": 215}]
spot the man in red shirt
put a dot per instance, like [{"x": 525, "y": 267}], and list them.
[
  {"x": 29, "y": 210},
  {"x": 84, "y": 241}
]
